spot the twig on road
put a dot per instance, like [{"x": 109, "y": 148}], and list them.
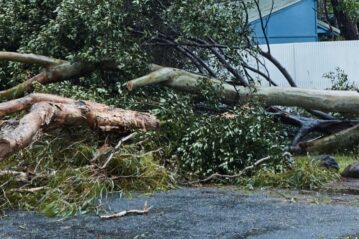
[{"x": 145, "y": 210}]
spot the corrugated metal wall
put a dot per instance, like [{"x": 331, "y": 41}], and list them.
[{"x": 307, "y": 62}]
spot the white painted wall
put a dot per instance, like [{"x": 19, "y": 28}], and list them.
[{"x": 307, "y": 62}]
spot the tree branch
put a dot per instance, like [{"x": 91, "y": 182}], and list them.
[{"x": 29, "y": 58}]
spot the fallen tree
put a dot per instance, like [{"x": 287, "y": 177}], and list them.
[
  {"x": 57, "y": 111},
  {"x": 325, "y": 100},
  {"x": 58, "y": 70},
  {"x": 63, "y": 170},
  {"x": 50, "y": 111}
]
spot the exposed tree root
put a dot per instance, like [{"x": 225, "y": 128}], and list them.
[
  {"x": 308, "y": 125},
  {"x": 49, "y": 111}
]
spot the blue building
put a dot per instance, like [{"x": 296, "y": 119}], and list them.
[{"x": 289, "y": 21}]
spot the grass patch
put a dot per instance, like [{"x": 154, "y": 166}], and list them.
[
  {"x": 304, "y": 173},
  {"x": 344, "y": 161},
  {"x": 64, "y": 175}
]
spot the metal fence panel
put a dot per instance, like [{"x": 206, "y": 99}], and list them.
[{"x": 307, "y": 62}]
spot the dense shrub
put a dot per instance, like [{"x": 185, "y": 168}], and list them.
[
  {"x": 217, "y": 143},
  {"x": 227, "y": 145}
]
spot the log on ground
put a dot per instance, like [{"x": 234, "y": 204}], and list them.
[{"x": 51, "y": 111}]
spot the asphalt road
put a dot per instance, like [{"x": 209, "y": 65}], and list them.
[{"x": 196, "y": 213}]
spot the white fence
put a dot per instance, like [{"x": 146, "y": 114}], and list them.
[{"x": 307, "y": 62}]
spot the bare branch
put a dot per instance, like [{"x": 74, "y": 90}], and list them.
[
  {"x": 145, "y": 210},
  {"x": 29, "y": 58}
]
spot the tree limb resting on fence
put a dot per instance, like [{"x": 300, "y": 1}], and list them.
[{"x": 326, "y": 100}]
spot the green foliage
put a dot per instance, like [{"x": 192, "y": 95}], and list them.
[
  {"x": 305, "y": 173},
  {"x": 351, "y": 7},
  {"x": 340, "y": 80},
  {"x": 116, "y": 31},
  {"x": 22, "y": 20},
  {"x": 227, "y": 145},
  {"x": 224, "y": 20},
  {"x": 76, "y": 35},
  {"x": 207, "y": 143}
]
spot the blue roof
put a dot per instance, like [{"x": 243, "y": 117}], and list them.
[{"x": 267, "y": 7}]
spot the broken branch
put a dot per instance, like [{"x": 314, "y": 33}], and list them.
[
  {"x": 29, "y": 58},
  {"x": 145, "y": 210},
  {"x": 326, "y": 100},
  {"x": 48, "y": 111}
]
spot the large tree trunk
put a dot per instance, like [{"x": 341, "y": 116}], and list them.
[
  {"x": 342, "y": 139},
  {"x": 325, "y": 100},
  {"x": 347, "y": 26},
  {"x": 50, "y": 111}
]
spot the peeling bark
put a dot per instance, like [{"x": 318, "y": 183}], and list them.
[{"x": 49, "y": 111}]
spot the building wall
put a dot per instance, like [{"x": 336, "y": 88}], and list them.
[{"x": 296, "y": 23}]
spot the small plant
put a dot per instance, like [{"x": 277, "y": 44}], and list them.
[{"x": 340, "y": 80}]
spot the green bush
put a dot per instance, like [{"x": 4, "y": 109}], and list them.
[
  {"x": 221, "y": 145},
  {"x": 213, "y": 143}
]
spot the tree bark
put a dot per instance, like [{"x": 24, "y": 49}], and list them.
[
  {"x": 29, "y": 58},
  {"x": 54, "y": 70},
  {"x": 342, "y": 139},
  {"x": 325, "y": 100},
  {"x": 49, "y": 75},
  {"x": 50, "y": 111},
  {"x": 347, "y": 26}
]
